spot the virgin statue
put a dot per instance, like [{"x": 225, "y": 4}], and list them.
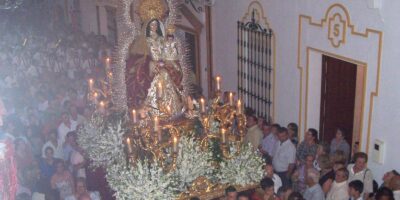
[{"x": 151, "y": 67}]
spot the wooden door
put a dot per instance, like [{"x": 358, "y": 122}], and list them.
[{"x": 338, "y": 90}]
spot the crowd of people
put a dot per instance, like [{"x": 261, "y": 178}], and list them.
[
  {"x": 45, "y": 66},
  {"x": 311, "y": 170}
]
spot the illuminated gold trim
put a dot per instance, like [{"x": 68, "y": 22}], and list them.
[
  {"x": 261, "y": 15},
  {"x": 353, "y": 32}
]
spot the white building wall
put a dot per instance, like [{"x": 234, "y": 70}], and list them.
[{"x": 283, "y": 17}]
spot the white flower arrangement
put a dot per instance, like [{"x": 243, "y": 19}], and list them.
[
  {"x": 144, "y": 181},
  {"x": 192, "y": 162},
  {"x": 104, "y": 145},
  {"x": 243, "y": 169}
]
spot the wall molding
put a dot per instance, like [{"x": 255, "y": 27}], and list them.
[{"x": 339, "y": 31}]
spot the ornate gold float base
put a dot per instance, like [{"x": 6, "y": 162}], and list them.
[{"x": 205, "y": 190}]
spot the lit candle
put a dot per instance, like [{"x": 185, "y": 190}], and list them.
[
  {"x": 223, "y": 136},
  {"x": 190, "y": 103},
  {"x": 134, "y": 116},
  {"x": 175, "y": 145},
  {"x": 156, "y": 128},
  {"x": 94, "y": 99},
  {"x": 169, "y": 110},
  {"x": 107, "y": 63},
  {"x": 128, "y": 143},
  {"x": 206, "y": 122},
  {"x": 231, "y": 98},
  {"x": 239, "y": 107},
  {"x": 202, "y": 105},
  {"x": 218, "y": 78},
  {"x": 91, "y": 82},
  {"x": 102, "y": 106},
  {"x": 159, "y": 89}
]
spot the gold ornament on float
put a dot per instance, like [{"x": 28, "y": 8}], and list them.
[
  {"x": 171, "y": 29},
  {"x": 151, "y": 9}
]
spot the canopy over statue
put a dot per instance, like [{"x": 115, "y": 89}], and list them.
[{"x": 153, "y": 68}]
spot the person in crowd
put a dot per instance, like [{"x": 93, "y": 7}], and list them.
[
  {"x": 267, "y": 187},
  {"x": 67, "y": 125},
  {"x": 76, "y": 100},
  {"x": 254, "y": 134},
  {"x": 81, "y": 190},
  {"x": 52, "y": 143},
  {"x": 261, "y": 121},
  {"x": 388, "y": 176},
  {"x": 355, "y": 190},
  {"x": 339, "y": 190},
  {"x": 23, "y": 196},
  {"x": 23, "y": 156},
  {"x": 359, "y": 171},
  {"x": 327, "y": 174},
  {"x": 84, "y": 197},
  {"x": 338, "y": 164},
  {"x": 340, "y": 143},
  {"x": 293, "y": 130},
  {"x": 48, "y": 164},
  {"x": 296, "y": 196},
  {"x": 314, "y": 190},
  {"x": 75, "y": 116},
  {"x": 308, "y": 146},
  {"x": 299, "y": 176},
  {"x": 323, "y": 149},
  {"x": 339, "y": 156},
  {"x": 284, "y": 192},
  {"x": 35, "y": 141},
  {"x": 243, "y": 196},
  {"x": 69, "y": 146},
  {"x": 269, "y": 172},
  {"x": 384, "y": 193},
  {"x": 78, "y": 162},
  {"x": 47, "y": 167},
  {"x": 284, "y": 159},
  {"x": 230, "y": 193},
  {"x": 62, "y": 180},
  {"x": 275, "y": 128},
  {"x": 267, "y": 146},
  {"x": 395, "y": 186}
]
